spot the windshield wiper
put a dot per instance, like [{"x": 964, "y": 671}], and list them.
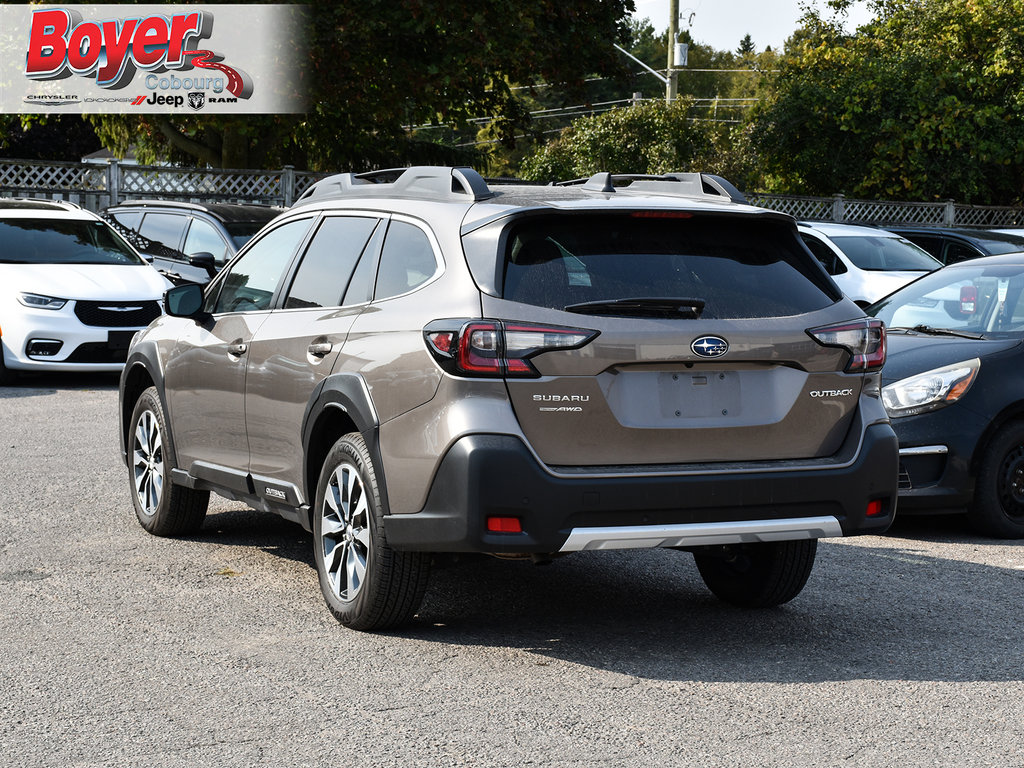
[
  {"x": 641, "y": 307},
  {"x": 946, "y": 332}
]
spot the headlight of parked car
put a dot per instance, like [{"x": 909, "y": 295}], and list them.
[
  {"x": 36, "y": 301},
  {"x": 929, "y": 390}
]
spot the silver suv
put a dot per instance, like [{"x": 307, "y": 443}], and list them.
[{"x": 412, "y": 362}]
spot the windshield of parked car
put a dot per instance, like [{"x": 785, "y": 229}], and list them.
[
  {"x": 62, "y": 241},
  {"x": 998, "y": 247},
  {"x": 967, "y": 298},
  {"x": 880, "y": 253},
  {"x": 242, "y": 231}
]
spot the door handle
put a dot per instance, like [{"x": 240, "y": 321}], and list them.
[
  {"x": 321, "y": 349},
  {"x": 237, "y": 349}
]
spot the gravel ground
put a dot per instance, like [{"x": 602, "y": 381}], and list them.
[{"x": 121, "y": 649}]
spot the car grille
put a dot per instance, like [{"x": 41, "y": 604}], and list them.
[
  {"x": 903, "y": 479},
  {"x": 95, "y": 352},
  {"x": 117, "y": 314}
]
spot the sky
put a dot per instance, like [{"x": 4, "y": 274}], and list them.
[{"x": 723, "y": 23}]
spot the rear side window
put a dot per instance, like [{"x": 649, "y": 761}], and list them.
[
  {"x": 164, "y": 229},
  {"x": 327, "y": 266},
  {"x": 130, "y": 219},
  {"x": 406, "y": 262},
  {"x": 738, "y": 267}
]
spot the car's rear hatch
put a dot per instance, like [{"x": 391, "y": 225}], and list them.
[{"x": 694, "y": 343}]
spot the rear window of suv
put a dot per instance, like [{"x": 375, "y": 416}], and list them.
[{"x": 735, "y": 267}]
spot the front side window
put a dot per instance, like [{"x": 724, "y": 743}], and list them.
[
  {"x": 203, "y": 238},
  {"x": 62, "y": 241},
  {"x": 251, "y": 281},
  {"x": 957, "y": 252},
  {"x": 824, "y": 254}
]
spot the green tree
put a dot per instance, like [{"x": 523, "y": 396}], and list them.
[
  {"x": 379, "y": 68},
  {"x": 746, "y": 46},
  {"x": 925, "y": 102},
  {"x": 649, "y": 137}
]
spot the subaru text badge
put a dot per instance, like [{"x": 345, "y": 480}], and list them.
[{"x": 709, "y": 346}]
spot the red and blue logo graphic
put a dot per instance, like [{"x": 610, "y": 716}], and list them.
[{"x": 61, "y": 44}]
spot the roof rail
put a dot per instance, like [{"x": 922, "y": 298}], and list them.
[
  {"x": 163, "y": 204},
  {"x": 39, "y": 203},
  {"x": 672, "y": 184},
  {"x": 429, "y": 182}
]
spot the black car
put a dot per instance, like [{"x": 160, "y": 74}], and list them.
[
  {"x": 953, "y": 245},
  {"x": 953, "y": 385},
  {"x": 188, "y": 242}
]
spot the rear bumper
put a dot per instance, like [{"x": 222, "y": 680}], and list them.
[{"x": 496, "y": 475}]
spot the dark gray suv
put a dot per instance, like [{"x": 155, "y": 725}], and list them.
[{"x": 412, "y": 362}]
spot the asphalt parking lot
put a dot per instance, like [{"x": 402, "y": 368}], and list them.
[{"x": 121, "y": 649}]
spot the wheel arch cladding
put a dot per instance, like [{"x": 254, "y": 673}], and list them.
[
  {"x": 136, "y": 380},
  {"x": 339, "y": 405}
]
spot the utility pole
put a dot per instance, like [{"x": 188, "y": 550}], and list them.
[{"x": 671, "y": 87}]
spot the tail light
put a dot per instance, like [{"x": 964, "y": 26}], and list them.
[
  {"x": 968, "y": 299},
  {"x": 863, "y": 339},
  {"x": 495, "y": 348}
]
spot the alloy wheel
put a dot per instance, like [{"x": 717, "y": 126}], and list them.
[
  {"x": 148, "y": 462},
  {"x": 345, "y": 532}
]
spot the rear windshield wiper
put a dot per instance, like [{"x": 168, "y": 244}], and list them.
[
  {"x": 946, "y": 332},
  {"x": 641, "y": 307}
]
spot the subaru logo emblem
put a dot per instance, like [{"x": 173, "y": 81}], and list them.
[{"x": 709, "y": 346}]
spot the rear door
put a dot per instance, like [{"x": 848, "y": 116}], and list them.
[
  {"x": 709, "y": 360},
  {"x": 164, "y": 233},
  {"x": 296, "y": 348}
]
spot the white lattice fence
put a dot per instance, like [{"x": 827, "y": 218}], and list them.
[
  {"x": 882, "y": 212},
  {"x": 79, "y": 183},
  {"x": 985, "y": 216},
  {"x": 839, "y": 209},
  {"x": 809, "y": 208},
  {"x": 97, "y": 186},
  {"x": 198, "y": 184}
]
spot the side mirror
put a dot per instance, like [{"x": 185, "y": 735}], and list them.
[
  {"x": 184, "y": 300},
  {"x": 204, "y": 260}
]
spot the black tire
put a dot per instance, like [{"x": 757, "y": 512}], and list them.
[
  {"x": 163, "y": 509},
  {"x": 6, "y": 374},
  {"x": 998, "y": 508},
  {"x": 759, "y": 575},
  {"x": 366, "y": 584}
]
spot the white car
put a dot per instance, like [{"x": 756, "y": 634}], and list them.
[
  {"x": 866, "y": 263},
  {"x": 72, "y": 292}
]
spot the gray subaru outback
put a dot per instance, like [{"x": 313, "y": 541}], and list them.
[{"x": 412, "y": 362}]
